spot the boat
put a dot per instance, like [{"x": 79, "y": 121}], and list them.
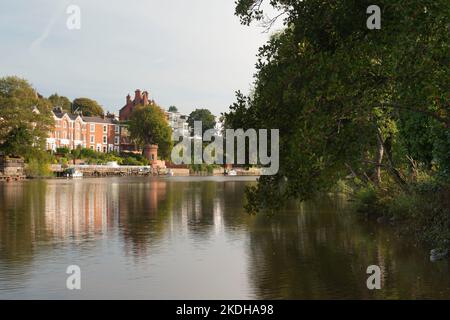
[
  {"x": 73, "y": 173},
  {"x": 232, "y": 173}
]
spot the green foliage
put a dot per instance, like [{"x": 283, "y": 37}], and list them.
[
  {"x": 348, "y": 100},
  {"x": 93, "y": 157},
  {"x": 203, "y": 168},
  {"x": 64, "y": 151},
  {"x": 135, "y": 160},
  {"x": 367, "y": 201},
  {"x": 76, "y": 153},
  {"x": 424, "y": 212},
  {"x": 173, "y": 109},
  {"x": 38, "y": 165},
  {"x": 88, "y": 153},
  {"x": 205, "y": 116},
  {"x": 60, "y": 102},
  {"x": 25, "y": 118},
  {"x": 88, "y": 107},
  {"x": 148, "y": 126}
]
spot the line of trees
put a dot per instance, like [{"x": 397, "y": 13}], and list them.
[{"x": 26, "y": 118}]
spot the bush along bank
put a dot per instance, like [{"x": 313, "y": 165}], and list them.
[{"x": 422, "y": 211}]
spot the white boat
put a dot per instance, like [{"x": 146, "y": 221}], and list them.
[
  {"x": 74, "y": 173},
  {"x": 232, "y": 173},
  {"x": 77, "y": 174}
]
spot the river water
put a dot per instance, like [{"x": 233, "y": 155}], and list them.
[{"x": 189, "y": 238}]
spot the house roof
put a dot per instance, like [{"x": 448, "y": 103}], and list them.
[
  {"x": 98, "y": 120},
  {"x": 60, "y": 115}
]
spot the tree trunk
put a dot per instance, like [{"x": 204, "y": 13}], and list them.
[{"x": 379, "y": 158}]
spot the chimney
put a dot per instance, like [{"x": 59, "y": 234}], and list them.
[
  {"x": 145, "y": 96},
  {"x": 137, "y": 96},
  {"x": 128, "y": 99}
]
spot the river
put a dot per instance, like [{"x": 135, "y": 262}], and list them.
[{"x": 190, "y": 238}]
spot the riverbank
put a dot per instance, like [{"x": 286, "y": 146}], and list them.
[{"x": 423, "y": 211}]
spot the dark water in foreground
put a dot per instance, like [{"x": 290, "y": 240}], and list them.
[{"x": 189, "y": 238}]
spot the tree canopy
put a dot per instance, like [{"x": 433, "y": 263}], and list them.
[
  {"x": 205, "y": 116},
  {"x": 173, "y": 109},
  {"x": 60, "y": 101},
  {"x": 148, "y": 125},
  {"x": 25, "y": 119},
  {"x": 88, "y": 107},
  {"x": 349, "y": 100}
]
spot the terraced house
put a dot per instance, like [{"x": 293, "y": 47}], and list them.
[{"x": 101, "y": 134}]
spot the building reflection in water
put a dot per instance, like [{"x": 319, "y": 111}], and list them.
[{"x": 151, "y": 227}]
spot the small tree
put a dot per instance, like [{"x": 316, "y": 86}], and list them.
[{"x": 148, "y": 125}]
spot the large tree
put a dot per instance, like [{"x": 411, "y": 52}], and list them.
[
  {"x": 349, "y": 100},
  {"x": 88, "y": 107},
  {"x": 25, "y": 119},
  {"x": 205, "y": 116},
  {"x": 148, "y": 125}
]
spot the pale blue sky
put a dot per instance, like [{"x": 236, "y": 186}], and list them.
[{"x": 188, "y": 53}]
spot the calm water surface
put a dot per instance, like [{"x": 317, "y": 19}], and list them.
[{"x": 189, "y": 238}]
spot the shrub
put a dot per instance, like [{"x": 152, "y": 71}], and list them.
[
  {"x": 64, "y": 150},
  {"x": 368, "y": 201},
  {"x": 38, "y": 168}
]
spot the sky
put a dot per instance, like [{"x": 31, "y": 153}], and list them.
[{"x": 187, "y": 53}]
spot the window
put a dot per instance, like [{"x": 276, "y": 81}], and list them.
[
  {"x": 92, "y": 139},
  {"x": 116, "y": 140},
  {"x": 117, "y": 129},
  {"x": 105, "y": 129},
  {"x": 92, "y": 127},
  {"x": 105, "y": 140},
  {"x": 92, "y": 147}
]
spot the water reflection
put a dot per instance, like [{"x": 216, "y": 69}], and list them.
[{"x": 190, "y": 238}]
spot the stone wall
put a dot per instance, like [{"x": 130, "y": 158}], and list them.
[{"x": 11, "y": 167}]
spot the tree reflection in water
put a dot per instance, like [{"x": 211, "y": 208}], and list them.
[{"x": 190, "y": 238}]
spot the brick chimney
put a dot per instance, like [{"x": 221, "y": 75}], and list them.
[
  {"x": 137, "y": 96},
  {"x": 145, "y": 97},
  {"x": 128, "y": 99}
]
